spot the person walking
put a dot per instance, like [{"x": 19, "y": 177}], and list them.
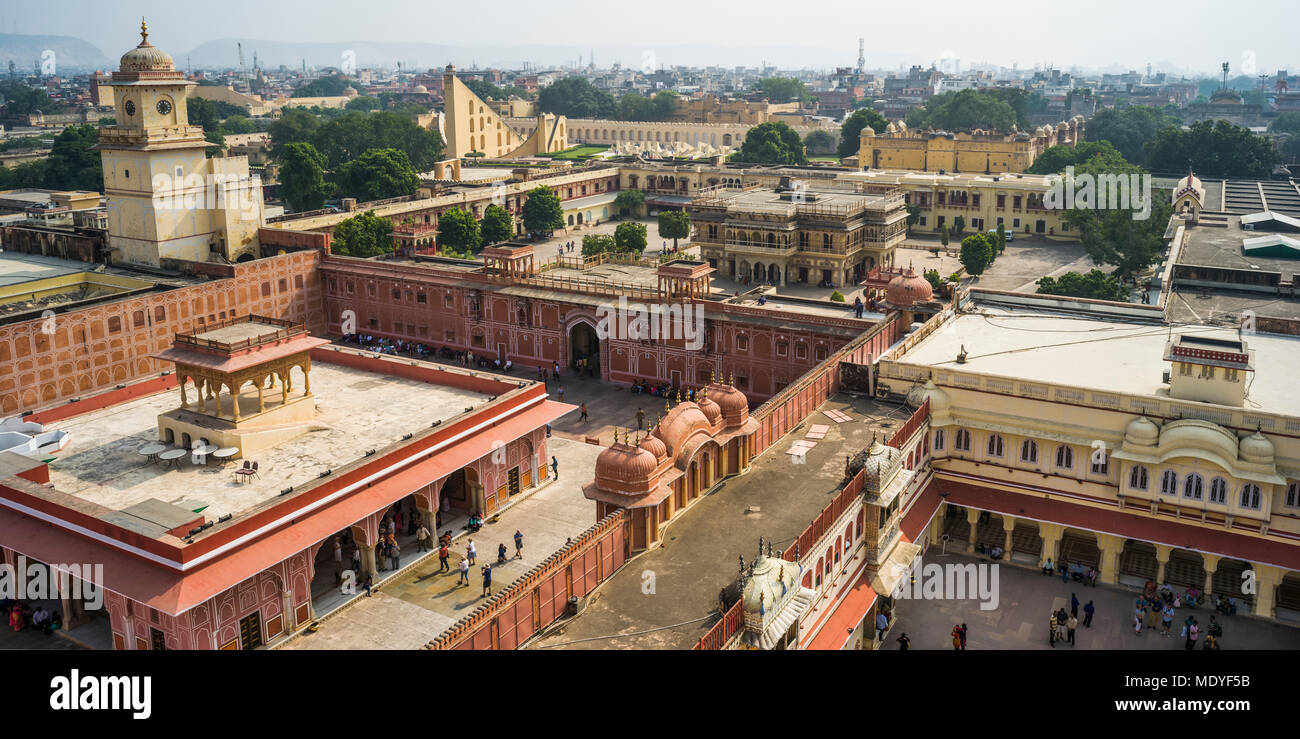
[
  {"x": 395, "y": 554},
  {"x": 1074, "y": 605},
  {"x": 1192, "y": 632},
  {"x": 442, "y": 559},
  {"x": 519, "y": 544},
  {"x": 487, "y": 580},
  {"x": 1137, "y": 620},
  {"x": 464, "y": 572},
  {"x": 1061, "y": 618},
  {"x": 1087, "y": 614},
  {"x": 356, "y": 559},
  {"x": 640, "y": 418},
  {"x": 555, "y": 467},
  {"x": 904, "y": 643},
  {"x": 1167, "y": 619},
  {"x": 338, "y": 554},
  {"x": 471, "y": 551},
  {"x": 501, "y": 553},
  {"x": 1070, "y": 626},
  {"x": 559, "y": 390},
  {"x": 422, "y": 538},
  {"x": 582, "y": 412},
  {"x": 1051, "y": 631},
  {"x": 1153, "y": 614},
  {"x": 956, "y": 638},
  {"x": 963, "y": 637}
]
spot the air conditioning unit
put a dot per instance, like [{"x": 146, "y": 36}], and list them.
[{"x": 1167, "y": 375}]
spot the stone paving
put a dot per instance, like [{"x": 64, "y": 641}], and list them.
[
  {"x": 1026, "y": 599},
  {"x": 411, "y": 610}
]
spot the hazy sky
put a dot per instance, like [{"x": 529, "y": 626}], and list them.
[{"x": 1195, "y": 34}]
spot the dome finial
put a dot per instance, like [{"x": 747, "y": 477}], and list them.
[{"x": 144, "y": 32}]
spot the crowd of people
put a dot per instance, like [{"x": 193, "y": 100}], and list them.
[{"x": 23, "y": 615}]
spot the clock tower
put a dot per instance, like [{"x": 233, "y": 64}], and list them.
[{"x": 166, "y": 199}]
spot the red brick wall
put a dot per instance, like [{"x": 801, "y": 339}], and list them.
[{"x": 45, "y": 362}]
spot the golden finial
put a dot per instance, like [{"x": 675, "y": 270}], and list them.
[
  {"x": 732, "y": 380},
  {"x": 667, "y": 405},
  {"x": 704, "y": 394},
  {"x": 679, "y": 396},
  {"x": 144, "y": 31}
]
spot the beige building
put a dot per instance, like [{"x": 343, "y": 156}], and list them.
[
  {"x": 898, "y": 147},
  {"x": 716, "y": 135},
  {"x": 1147, "y": 450},
  {"x": 469, "y": 124},
  {"x": 793, "y": 234},
  {"x": 166, "y": 199}
]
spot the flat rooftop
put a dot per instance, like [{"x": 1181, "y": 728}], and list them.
[
  {"x": 776, "y": 500},
  {"x": 1221, "y": 247},
  {"x": 1107, "y": 355},
  {"x": 356, "y": 410},
  {"x": 768, "y": 199}
]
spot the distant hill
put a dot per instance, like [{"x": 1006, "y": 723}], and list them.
[{"x": 71, "y": 54}]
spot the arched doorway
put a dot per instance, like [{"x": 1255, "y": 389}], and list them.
[
  {"x": 584, "y": 343},
  {"x": 774, "y": 274},
  {"x": 460, "y": 491}
]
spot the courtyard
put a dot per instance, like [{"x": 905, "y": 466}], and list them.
[{"x": 1026, "y": 598}]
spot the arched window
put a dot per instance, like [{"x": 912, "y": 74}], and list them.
[
  {"x": 1218, "y": 490},
  {"x": 1169, "y": 483},
  {"x": 1137, "y": 478},
  {"x": 995, "y": 445},
  {"x": 938, "y": 442},
  {"x": 962, "y": 442},
  {"x": 1065, "y": 457},
  {"x": 1250, "y": 496},
  {"x": 1029, "y": 451},
  {"x": 1192, "y": 487}
]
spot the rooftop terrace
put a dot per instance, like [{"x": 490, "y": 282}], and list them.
[{"x": 356, "y": 410}]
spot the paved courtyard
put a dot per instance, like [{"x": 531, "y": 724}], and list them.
[
  {"x": 1026, "y": 599},
  {"x": 420, "y": 603}
]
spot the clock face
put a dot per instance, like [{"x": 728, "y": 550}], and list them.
[
  {"x": 130, "y": 107},
  {"x": 164, "y": 106}
]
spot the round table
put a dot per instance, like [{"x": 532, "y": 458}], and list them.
[
  {"x": 204, "y": 450},
  {"x": 148, "y": 450},
  {"x": 225, "y": 453},
  {"x": 172, "y": 454}
]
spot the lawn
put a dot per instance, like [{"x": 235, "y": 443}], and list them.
[{"x": 576, "y": 152}]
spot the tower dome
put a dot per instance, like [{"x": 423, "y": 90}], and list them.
[
  {"x": 880, "y": 465},
  {"x": 350, "y": 92},
  {"x": 1142, "y": 432},
  {"x": 708, "y": 407},
  {"x": 908, "y": 288},
  {"x": 625, "y": 468},
  {"x": 1256, "y": 449},
  {"x": 421, "y": 89},
  {"x": 772, "y": 582},
  {"x": 146, "y": 57},
  {"x": 732, "y": 402},
  {"x": 654, "y": 445}
]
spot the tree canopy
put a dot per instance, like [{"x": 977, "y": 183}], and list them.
[
  {"x": 345, "y": 138},
  {"x": 1211, "y": 149},
  {"x": 630, "y": 237},
  {"x": 1112, "y": 235},
  {"x": 771, "y": 143},
  {"x": 977, "y": 253},
  {"x": 594, "y": 244},
  {"x": 542, "y": 211},
  {"x": 377, "y": 174},
  {"x": 23, "y": 100},
  {"x": 634, "y": 106},
  {"x": 365, "y": 235},
  {"x": 674, "y": 224},
  {"x": 783, "y": 89},
  {"x": 302, "y": 177},
  {"x": 819, "y": 142},
  {"x": 851, "y": 130},
  {"x": 458, "y": 231},
  {"x": 633, "y": 201},
  {"x": 575, "y": 97},
  {"x": 1129, "y": 129},
  {"x": 497, "y": 225},
  {"x": 322, "y": 87},
  {"x": 1095, "y": 284},
  {"x": 966, "y": 110},
  {"x": 1055, "y": 159}
]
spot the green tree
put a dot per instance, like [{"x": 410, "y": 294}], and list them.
[
  {"x": 322, "y": 87},
  {"x": 632, "y": 201},
  {"x": 366, "y": 235},
  {"x": 237, "y": 124},
  {"x": 377, "y": 174},
  {"x": 458, "y": 231},
  {"x": 542, "y": 211},
  {"x": 771, "y": 143},
  {"x": 633, "y": 106},
  {"x": 497, "y": 225},
  {"x": 674, "y": 224},
  {"x": 1129, "y": 129},
  {"x": 913, "y": 216},
  {"x": 958, "y": 225},
  {"x": 851, "y": 130},
  {"x": 485, "y": 90},
  {"x": 363, "y": 103},
  {"x": 346, "y": 137},
  {"x": 964, "y": 110},
  {"x": 976, "y": 253},
  {"x": 943, "y": 235},
  {"x": 935, "y": 279},
  {"x": 819, "y": 142},
  {"x": 630, "y": 236},
  {"x": 73, "y": 163},
  {"x": 1211, "y": 149},
  {"x": 302, "y": 177},
  {"x": 1288, "y": 122},
  {"x": 19, "y": 99},
  {"x": 575, "y": 97},
  {"x": 1096, "y": 285},
  {"x": 783, "y": 89},
  {"x": 1002, "y": 238},
  {"x": 1055, "y": 159},
  {"x": 594, "y": 244},
  {"x": 1113, "y": 236},
  {"x": 294, "y": 126}
]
